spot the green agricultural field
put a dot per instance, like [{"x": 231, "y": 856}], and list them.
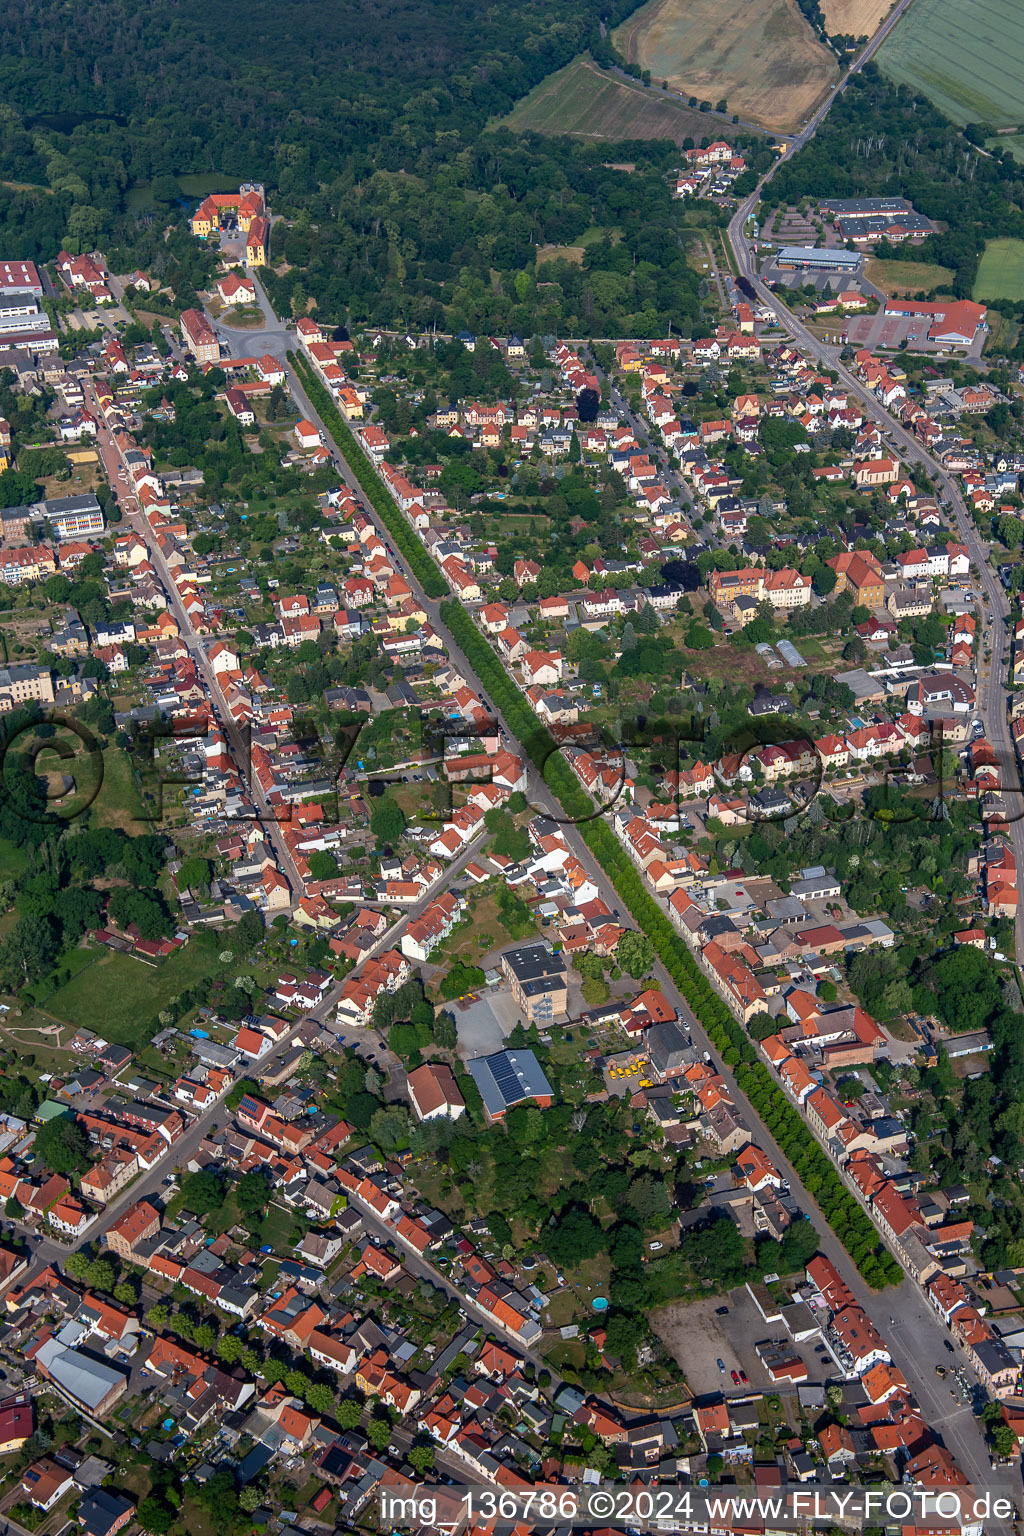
[
  {"x": 583, "y": 101},
  {"x": 1014, "y": 142},
  {"x": 1001, "y": 271},
  {"x": 964, "y": 58},
  {"x": 119, "y": 996}
]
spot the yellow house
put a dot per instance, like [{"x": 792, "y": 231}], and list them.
[
  {"x": 398, "y": 620},
  {"x": 257, "y": 241},
  {"x": 350, "y": 404},
  {"x": 202, "y": 224}
]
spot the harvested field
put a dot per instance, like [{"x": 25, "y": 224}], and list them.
[
  {"x": 907, "y": 277},
  {"x": 1001, "y": 271},
  {"x": 765, "y": 62},
  {"x": 854, "y": 18},
  {"x": 585, "y": 102},
  {"x": 964, "y": 58}
]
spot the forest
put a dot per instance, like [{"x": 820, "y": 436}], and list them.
[{"x": 369, "y": 133}]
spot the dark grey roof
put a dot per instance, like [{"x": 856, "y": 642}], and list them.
[
  {"x": 667, "y": 1046},
  {"x": 99, "y": 1510}
]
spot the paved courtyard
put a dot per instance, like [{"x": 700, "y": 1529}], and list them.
[{"x": 485, "y": 1024}]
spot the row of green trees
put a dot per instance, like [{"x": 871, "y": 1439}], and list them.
[
  {"x": 850, "y": 1223},
  {"x": 846, "y": 1217}
]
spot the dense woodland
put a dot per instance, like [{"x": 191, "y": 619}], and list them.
[{"x": 365, "y": 124}]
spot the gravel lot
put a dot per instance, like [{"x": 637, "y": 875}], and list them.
[
  {"x": 698, "y": 1339},
  {"x": 484, "y": 1025}
]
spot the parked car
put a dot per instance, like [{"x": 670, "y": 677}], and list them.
[{"x": 721, "y": 1366}]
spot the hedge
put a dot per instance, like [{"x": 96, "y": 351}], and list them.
[
  {"x": 419, "y": 562},
  {"x": 848, "y": 1220}
]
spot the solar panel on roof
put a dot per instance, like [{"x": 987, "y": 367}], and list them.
[{"x": 506, "y": 1079}]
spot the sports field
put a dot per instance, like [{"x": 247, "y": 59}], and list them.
[
  {"x": 907, "y": 277},
  {"x": 587, "y": 103},
  {"x": 965, "y": 58},
  {"x": 854, "y": 18},
  {"x": 764, "y": 60},
  {"x": 1001, "y": 271}
]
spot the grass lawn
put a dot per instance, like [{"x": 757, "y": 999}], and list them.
[
  {"x": 1003, "y": 333},
  {"x": 119, "y": 803},
  {"x": 1001, "y": 271},
  {"x": 480, "y": 934},
  {"x": 243, "y": 317},
  {"x": 276, "y": 1229},
  {"x": 13, "y": 861},
  {"x": 571, "y": 253},
  {"x": 572, "y": 1304},
  {"x": 562, "y": 1352},
  {"x": 902, "y": 277},
  {"x": 33, "y": 1052},
  {"x": 119, "y": 996}
]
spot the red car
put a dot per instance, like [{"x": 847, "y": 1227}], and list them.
[
  {"x": 736, "y": 1377},
  {"x": 744, "y": 1377}
]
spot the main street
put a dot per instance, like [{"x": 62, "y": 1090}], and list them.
[
  {"x": 915, "y": 1351},
  {"x": 991, "y": 689}
]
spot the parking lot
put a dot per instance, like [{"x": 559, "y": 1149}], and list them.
[
  {"x": 887, "y": 332},
  {"x": 698, "y": 1338}
]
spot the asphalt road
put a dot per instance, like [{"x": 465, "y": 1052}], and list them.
[
  {"x": 917, "y": 1338},
  {"x": 46, "y": 1250},
  {"x": 196, "y": 644},
  {"x": 991, "y": 688},
  {"x": 915, "y": 1350},
  {"x": 960, "y": 1431}
]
